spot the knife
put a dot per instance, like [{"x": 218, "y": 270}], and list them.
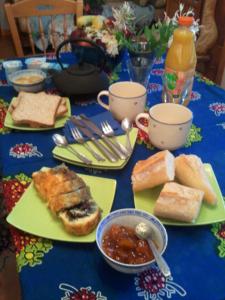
[
  {"x": 94, "y": 128},
  {"x": 108, "y": 154}
]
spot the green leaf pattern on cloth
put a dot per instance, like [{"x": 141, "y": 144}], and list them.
[
  {"x": 218, "y": 229},
  {"x": 3, "y": 110},
  {"x": 30, "y": 250}
]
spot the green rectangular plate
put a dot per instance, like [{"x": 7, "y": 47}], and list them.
[
  {"x": 32, "y": 215},
  {"x": 64, "y": 155},
  {"x": 58, "y": 124},
  {"x": 145, "y": 200}
]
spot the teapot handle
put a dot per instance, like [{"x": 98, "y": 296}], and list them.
[{"x": 69, "y": 41}]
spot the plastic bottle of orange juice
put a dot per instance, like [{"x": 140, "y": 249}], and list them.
[{"x": 180, "y": 64}]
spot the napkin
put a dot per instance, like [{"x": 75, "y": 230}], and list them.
[{"x": 97, "y": 119}]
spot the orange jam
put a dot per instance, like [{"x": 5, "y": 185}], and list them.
[{"x": 122, "y": 244}]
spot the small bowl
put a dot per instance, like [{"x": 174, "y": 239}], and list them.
[
  {"x": 31, "y": 87},
  {"x": 11, "y": 66},
  {"x": 35, "y": 62},
  {"x": 131, "y": 217}
]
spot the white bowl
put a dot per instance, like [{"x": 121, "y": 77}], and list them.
[
  {"x": 30, "y": 87},
  {"x": 131, "y": 217},
  {"x": 35, "y": 62},
  {"x": 11, "y": 66}
]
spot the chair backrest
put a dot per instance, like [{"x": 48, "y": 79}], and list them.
[{"x": 28, "y": 9}]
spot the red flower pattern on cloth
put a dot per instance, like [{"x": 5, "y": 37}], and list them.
[
  {"x": 3, "y": 110},
  {"x": 3, "y": 82},
  {"x": 72, "y": 293},
  {"x": 154, "y": 87},
  {"x": 29, "y": 249},
  {"x": 151, "y": 284},
  {"x": 218, "y": 108},
  {"x": 24, "y": 150},
  {"x": 195, "y": 96},
  {"x": 218, "y": 229},
  {"x": 157, "y": 72}
]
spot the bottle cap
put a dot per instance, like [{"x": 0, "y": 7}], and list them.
[{"x": 185, "y": 21}]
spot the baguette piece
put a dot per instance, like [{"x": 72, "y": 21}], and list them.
[
  {"x": 178, "y": 202},
  {"x": 157, "y": 169},
  {"x": 38, "y": 110},
  {"x": 190, "y": 171}
]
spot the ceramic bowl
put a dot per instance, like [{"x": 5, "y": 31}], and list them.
[
  {"x": 35, "y": 62},
  {"x": 131, "y": 217},
  {"x": 28, "y": 85}
]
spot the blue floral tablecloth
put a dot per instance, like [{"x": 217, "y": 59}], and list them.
[{"x": 52, "y": 270}]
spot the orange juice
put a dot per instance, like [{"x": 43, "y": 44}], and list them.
[{"x": 180, "y": 64}]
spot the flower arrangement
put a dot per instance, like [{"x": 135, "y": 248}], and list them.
[{"x": 122, "y": 30}]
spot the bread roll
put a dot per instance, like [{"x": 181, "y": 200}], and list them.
[
  {"x": 178, "y": 202},
  {"x": 190, "y": 171},
  {"x": 157, "y": 169}
]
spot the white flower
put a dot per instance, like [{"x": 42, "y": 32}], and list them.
[{"x": 124, "y": 16}]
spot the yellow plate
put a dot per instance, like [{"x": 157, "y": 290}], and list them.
[
  {"x": 32, "y": 215},
  {"x": 65, "y": 155},
  {"x": 60, "y": 122},
  {"x": 145, "y": 200}
]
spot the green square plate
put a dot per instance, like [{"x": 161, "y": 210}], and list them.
[
  {"x": 32, "y": 215},
  {"x": 64, "y": 155},
  {"x": 58, "y": 124},
  {"x": 145, "y": 200}
]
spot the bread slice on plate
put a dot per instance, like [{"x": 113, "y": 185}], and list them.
[
  {"x": 36, "y": 110},
  {"x": 190, "y": 171},
  {"x": 178, "y": 202},
  {"x": 157, "y": 169}
]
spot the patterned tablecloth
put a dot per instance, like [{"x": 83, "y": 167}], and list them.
[{"x": 51, "y": 270}]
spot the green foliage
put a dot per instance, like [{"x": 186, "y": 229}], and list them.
[{"x": 157, "y": 37}]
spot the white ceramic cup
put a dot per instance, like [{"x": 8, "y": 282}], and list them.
[
  {"x": 168, "y": 125},
  {"x": 126, "y": 99}
]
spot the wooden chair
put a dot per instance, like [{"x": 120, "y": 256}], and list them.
[{"x": 31, "y": 8}]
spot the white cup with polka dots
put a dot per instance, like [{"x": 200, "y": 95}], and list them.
[
  {"x": 126, "y": 99},
  {"x": 167, "y": 125}
]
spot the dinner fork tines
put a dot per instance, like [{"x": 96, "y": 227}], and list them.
[
  {"x": 108, "y": 131},
  {"x": 77, "y": 135}
]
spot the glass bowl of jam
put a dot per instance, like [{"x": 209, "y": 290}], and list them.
[{"x": 119, "y": 245}]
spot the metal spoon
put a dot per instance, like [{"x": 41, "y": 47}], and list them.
[
  {"x": 126, "y": 126},
  {"x": 143, "y": 231},
  {"x": 61, "y": 141}
]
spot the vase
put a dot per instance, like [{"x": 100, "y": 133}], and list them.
[{"x": 139, "y": 63}]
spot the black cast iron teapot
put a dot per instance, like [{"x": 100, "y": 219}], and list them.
[{"x": 87, "y": 76}]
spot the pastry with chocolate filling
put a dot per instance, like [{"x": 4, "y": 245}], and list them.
[{"x": 68, "y": 196}]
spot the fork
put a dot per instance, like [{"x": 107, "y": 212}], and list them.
[
  {"x": 108, "y": 131},
  {"x": 77, "y": 135}
]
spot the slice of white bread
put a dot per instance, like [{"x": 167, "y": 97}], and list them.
[
  {"x": 68, "y": 197},
  {"x": 36, "y": 110},
  {"x": 61, "y": 111},
  {"x": 157, "y": 169},
  {"x": 190, "y": 171},
  {"x": 178, "y": 202},
  {"x": 81, "y": 220}
]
